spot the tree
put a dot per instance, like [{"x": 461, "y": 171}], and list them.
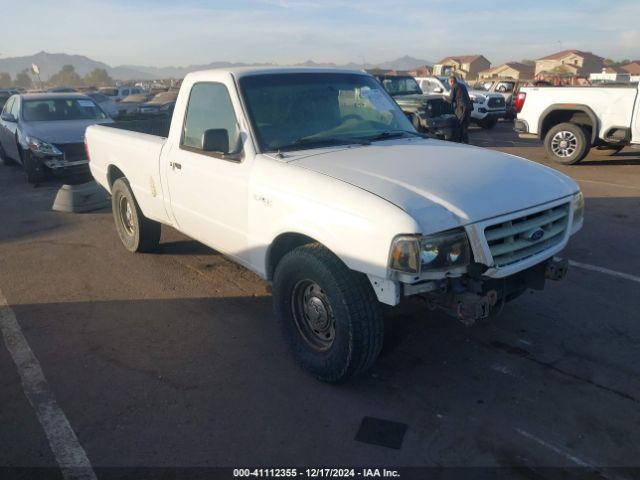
[
  {"x": 5, "y": 80},
  {"x": 526, "y": 61},
  {"x": 23, "y": 79},
  {"x": 98, "y": 77},
  {"x": 66, "y": 77}
]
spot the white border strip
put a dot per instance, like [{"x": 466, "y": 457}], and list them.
[
  {"x": 614, "y": 273},
  {"x": 64, "y": 444}
]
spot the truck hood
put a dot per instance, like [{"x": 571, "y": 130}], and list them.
[
  {"x": 412, "y": 101},
  {"x": 441, "y": 184},
  {"x": 69, "y": 131}
]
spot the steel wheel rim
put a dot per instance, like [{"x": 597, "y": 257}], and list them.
[
  {"x": 126, "y": 215},
  {"x": 564, "y": 144},
  {"x": 313, "y": 315}
]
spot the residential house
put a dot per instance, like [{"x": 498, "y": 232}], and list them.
[
  {"x": 568, "y": 63},
  {"x": 423, "y": 71},
  {"x": 513, "y": 70},
  {"x": 465, "y": 66},
  {"x": 632, "y": 68}
]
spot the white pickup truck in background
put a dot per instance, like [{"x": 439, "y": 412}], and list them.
[
  {"x": 317, "y": 181},
  {"x": 571, "y": 120}
]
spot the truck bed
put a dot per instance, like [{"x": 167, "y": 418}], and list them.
[
  {"x": 133, "y": 148},
  {"x": 151, "y": 126}
]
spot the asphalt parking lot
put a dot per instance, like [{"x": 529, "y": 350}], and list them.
[{"x": 173, "y": 359}]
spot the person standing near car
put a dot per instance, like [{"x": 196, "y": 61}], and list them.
[{"x": 459, "y": 98}]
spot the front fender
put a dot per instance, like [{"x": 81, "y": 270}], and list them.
[{"x": 354, "y": 224}]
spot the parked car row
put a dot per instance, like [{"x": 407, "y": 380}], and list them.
[
  {"x": 488, "y": 107},
  {"x": 422, "y": 99}
]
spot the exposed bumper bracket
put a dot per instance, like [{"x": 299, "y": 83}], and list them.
[{"x": 556, "y": 269}]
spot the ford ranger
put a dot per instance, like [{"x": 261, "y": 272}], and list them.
[
  {"x": 317, "y": 181},
  {"x": 571, "y": 120}
]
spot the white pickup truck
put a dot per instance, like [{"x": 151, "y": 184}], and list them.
[
  {"x": 317, "y": 181},
  {"x": 571, "y": 120}
]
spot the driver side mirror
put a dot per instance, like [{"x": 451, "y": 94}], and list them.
[
  {"x": 8, "y": 117},
  {"x": 215, "y": 140}
]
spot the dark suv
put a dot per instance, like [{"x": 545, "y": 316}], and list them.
[{"x": 429, "y": 113}]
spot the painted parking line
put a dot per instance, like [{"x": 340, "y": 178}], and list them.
[
  {"x": 64, "y": 444},
  {"x": 606, "y": 271},
  {"x": 610, "y": 184},
  {"x": 554, "y": 448}
]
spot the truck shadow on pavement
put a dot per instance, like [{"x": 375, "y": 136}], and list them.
[
  {"x": 624, "y": 158},
  {"x": 128, "y": 372}
]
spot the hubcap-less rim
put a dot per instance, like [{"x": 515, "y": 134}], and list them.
[
  {"x": 313, "y": 315},
  {"x": 126, "y": 215},
  {"x": 564, "y": 144}
]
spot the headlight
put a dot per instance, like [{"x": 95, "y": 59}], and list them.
[
  {"x": 443, "y": 251},
  {"x": 478, "y": 99},
  {"x": 41, "y": 147},
  {"x": 578, "y": 211}
]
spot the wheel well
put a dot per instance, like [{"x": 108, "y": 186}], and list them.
[
  {"x": 282, "y": 245},
  {"x": 113, "y": 173},
  {"x": 577, "y": 117}
]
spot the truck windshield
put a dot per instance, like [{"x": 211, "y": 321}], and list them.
[
  {"x": 47, "y": 110},
  {"x": 307, "y": 110},
  {"x": 401, "y": 86}
]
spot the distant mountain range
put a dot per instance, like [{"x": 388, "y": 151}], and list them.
[{"x": 51, "y": 63}]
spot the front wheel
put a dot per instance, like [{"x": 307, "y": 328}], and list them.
[
  {"x": 566, "y": 143},
  {"x": 488, "y": 123},
  {"x": 329, "y": 314},
  {"x": 33, "y": 170},
  {"x": 137, "y": 232}
]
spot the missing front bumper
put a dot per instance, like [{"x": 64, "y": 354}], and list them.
[{"x": 470, "y": 298}]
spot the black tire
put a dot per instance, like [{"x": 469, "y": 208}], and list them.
[
  {"x": 575, "y": 148},
  {"x": 488, "y": 122},
  {"x": 349, "y": 337},
  {"x": 137, "y": 232},
  {"x": 4, "y": 160},
  {"x": 34, "y": 171}
]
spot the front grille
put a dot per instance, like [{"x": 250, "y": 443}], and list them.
[
  {"x": 517, "y": 239},
  {"x": 495, "y": 102},
  {"x": 72, "y": 151},
  {"x": 437, "y": 107}
]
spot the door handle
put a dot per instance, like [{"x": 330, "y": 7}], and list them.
[{"x": 175, "y": 165}]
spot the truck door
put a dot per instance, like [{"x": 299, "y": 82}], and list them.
[
  {"x": 208, "y": 189},
  {"x": 635, "y": 127}
]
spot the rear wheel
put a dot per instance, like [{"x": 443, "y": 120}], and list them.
[
  {"x": 329, "y": 314},
  {"x": 566, "y": 143},
  {"x": 137, "y": 232}
]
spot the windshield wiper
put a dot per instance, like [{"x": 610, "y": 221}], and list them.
[
  {"x": 394, "y": 134},
  {"x": 310, "y": 142}
]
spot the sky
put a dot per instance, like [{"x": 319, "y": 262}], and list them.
[{"x": 186, "y": 32}]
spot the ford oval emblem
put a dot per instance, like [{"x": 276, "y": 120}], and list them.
[{"x": 536, "y": 235}]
